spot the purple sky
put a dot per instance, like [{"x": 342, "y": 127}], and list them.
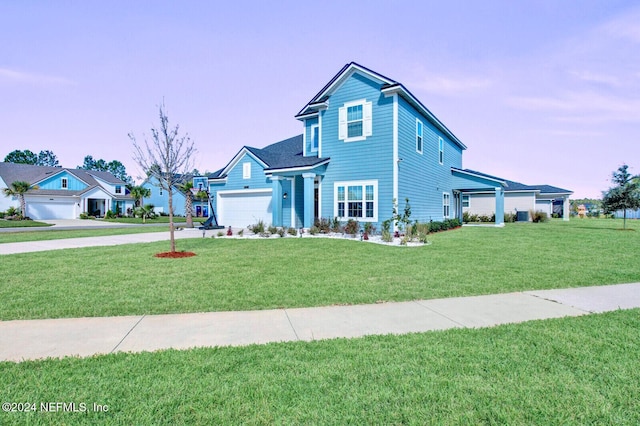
[{"x": 541, "y": 92}]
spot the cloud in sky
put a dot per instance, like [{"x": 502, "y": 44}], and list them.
[
  {"x": 12, "y": 76},
  {"x": 450, "y": 85}
]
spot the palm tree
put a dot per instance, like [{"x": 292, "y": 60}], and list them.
[
  {"x": 18, "y": 189},
  {"x": 138, "y": 193},
  {"x": 188, "y": 202}
]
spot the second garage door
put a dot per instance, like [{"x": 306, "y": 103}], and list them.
[
  {"x": 243, "y": 208},
  {"x": 50, "y": 210}
]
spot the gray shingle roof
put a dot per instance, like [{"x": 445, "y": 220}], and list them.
[
  {"x": 517, "y": 186},
  {"x": 285, "y": 154}
]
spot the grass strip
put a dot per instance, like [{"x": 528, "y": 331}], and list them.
[{"x": 580, "y": 370}]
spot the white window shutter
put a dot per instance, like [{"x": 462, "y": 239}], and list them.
[
  {"x": 342, "y": 123},
  {"x": 367, "y": 122}
]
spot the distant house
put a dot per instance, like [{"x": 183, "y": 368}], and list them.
[
  {"x": 519, "y": 197},
  {"x": 367, "y": 142},
  {"x": 64, "y": 193},
  {"x": 160, "y": 198}
]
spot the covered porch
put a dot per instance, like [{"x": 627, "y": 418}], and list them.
[
  {"x": 295, "y": 196},
  {"x": 467, "y": 182}
]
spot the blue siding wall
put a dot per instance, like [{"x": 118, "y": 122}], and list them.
[
  {"x": 55, "y": 182},
  {"x": 370, "y": 159},
  {"x": 307, "y": 135},
  {"x": 235, "y": 180},
  {"x": 421, "y": 177},
  {"x": 160, "y": 198}
]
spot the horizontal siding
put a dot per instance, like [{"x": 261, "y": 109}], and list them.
[
  {"x": 370, "y": 159},
  {"x": 421, "y": 177},
  {"x": 160, "y": 199},
  {"x": 55, "y": 182}
]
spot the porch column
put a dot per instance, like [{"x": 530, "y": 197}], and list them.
[
  {"x": 566, "y": 207},
  {"x": 276, "y": 201},
  {"x": 309, "y": 180},
  {"x": 499, "y": 206}
]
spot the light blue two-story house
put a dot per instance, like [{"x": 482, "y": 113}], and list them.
[
  {"x": 160, "y": 199},
  {"x": 366, "y": 142}
]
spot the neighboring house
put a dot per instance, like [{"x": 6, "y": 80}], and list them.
[
  {"x": 519, "y": 197},
  {"x": 160, "y": 199},
  {"x": 366, "y": 142},
  {"x": 631, "y": 214},
  {"x": 64, "y": 193}
]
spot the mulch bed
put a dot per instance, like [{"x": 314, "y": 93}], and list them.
[{"x": 175, "y": 254}]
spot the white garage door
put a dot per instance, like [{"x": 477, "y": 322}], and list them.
[
  {"x": 50, "y": 210},
  {"x": 241, "y": 209}
]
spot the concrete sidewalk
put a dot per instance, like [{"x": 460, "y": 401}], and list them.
[
  {"x": 34, "y": 339},
  {"x": 110, "y": 240}
]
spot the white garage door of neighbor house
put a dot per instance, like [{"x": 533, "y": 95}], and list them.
[
  {"x": 242, "y": 209},
  {"x": 50, "y": 210}
]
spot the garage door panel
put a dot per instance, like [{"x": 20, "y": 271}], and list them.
[
  {"x": 244, "y": 209},
  {"x": 43, "y": 210}
]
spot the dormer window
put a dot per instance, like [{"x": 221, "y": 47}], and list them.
[
  {"x": 118, "y": 189},
  {"x": 64, "y": 183}
]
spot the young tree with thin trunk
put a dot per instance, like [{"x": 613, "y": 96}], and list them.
[
  {"x": 625, "y": 195},
  {"x": 165, "y": 157}
]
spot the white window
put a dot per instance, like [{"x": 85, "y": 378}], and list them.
[
  {"x": 441, "y": 150},
  {"x": 315, "y": 137},
  {"x": 64, "y": 183},
  {"x": 465, "y": 201},
  {"x": 418, "y": 136},
  {"x": 356, "y": 200},
  {"x": 355, "y": 121},
  {"x": 246, "y": 171},
  {"x": 446, "y": 201},
  {"x": 118, "y": 189}
]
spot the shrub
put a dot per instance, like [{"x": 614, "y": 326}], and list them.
[
  {"x": 510, "y": 217},
  {"x": 241, "y": 232},
  {"x": 314, "y": 230},
  {"x": 369, "y": 228},
  {"x": 323, "y": 225},
  {"x": 258, "y": 228},
  {"x": 538, "y": 216},
  {"x": 220, "y": 234},
  {"x": 110, "y": 215},
  {"x": 12, "y": 211},
  {"x": 84, "y": 216},
  {"x": 2, "y": 215},
  {"x": 281, "y": 232},
  {"x": 386, "y": 236},
  {"x": 335, "y": 225},
  {"x": 272, "y": 230},
  {"x": 435, "y": 226},
  {"x": 352, "y": 227},
  {"x": 485, "y": 218},
  {"x": 292, "y": 231}
]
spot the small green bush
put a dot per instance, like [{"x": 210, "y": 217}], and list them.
[
  {"x": 12, "y": 211},
  {"x": 314, "y": 230},
  {"x": 335, "y": 225},
  {"x": 272, "y": 230},
  {"x": 510, "y": 217},
  {"x": 386, "y": 236},
  {"x": 110, "y": 215},
  {"x": 257, "y": 228},
  {"x": 84, "y": 216},
  {"x": 241, "y": 232},
  {"x": 281, "y": 232},
  {"x": 323, "y": 225},
  {"x": 2, "y": 215},
  {"x": 220, "y": 234},
  {"x": 292, "y": 231},
  {"x": 538, "y": 216},
  {"x": 352, "y": 227}
]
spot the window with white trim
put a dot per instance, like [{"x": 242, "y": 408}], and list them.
[
  {"x": 246, "y": 171},
  {"x": 446, "y": 202},
  {"x": 64, "y": 183},
  {"x": 440, "y": 150},
  {"x": 355, "y": 121},
  {"x": 315, "y": 137},
  {"x": 118, "y": 189},
  {"x": 465, "y": 201},
  {"x": 418, "y": 136},
  {"x": 356, "y": 200}
]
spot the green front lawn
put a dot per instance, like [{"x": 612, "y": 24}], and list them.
[
  {"x": 18, "y": 237},
  {"x": 571, "y": 371},
  {"x": 21, "y": 223},
  {"x": 245, "y": 274},
  {"x": 158, "y": 219}
]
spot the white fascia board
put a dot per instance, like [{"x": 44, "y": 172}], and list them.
[
  {"x": 464, "y": 172},
  {"x": 246, "y": 191},
  {"x": 295, "y": 169},
  {"x": 237, "y": 158}
]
